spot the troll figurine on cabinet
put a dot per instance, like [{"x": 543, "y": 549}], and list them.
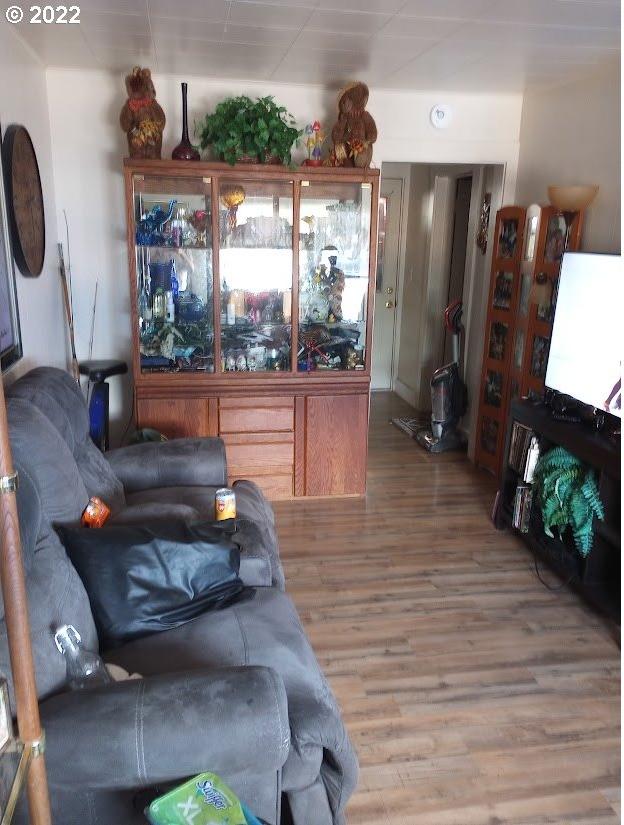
[
  {"x": 142, "y": 118},
  {"x": 355, "y": 130}
]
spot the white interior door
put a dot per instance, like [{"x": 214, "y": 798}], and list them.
[{"x": 384, "y": 319}]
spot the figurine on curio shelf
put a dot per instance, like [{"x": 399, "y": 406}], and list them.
[
  {"x": 142, "y": 118},
  {"x": 314, "y": 144},
  {"x": 355, "y": 130},
  {"x": 335, "y": 280},
  {"x": 149, "y": 229}
]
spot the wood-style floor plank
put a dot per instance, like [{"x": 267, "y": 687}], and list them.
[{"x": 473, "y": 695}]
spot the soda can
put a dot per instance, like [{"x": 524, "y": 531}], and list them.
[
  {"x": 225, "y": 504},
  {"x": 95, "y": 513}
]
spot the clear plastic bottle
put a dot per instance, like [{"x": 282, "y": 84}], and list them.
[
  {"x": 159, "y": 306},
  {"x": 85, "y": 669},
  {"x": 170, "y": 307}
]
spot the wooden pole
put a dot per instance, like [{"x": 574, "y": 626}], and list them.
[
  {"x": 70, "y": 315},
  {"x": 18, "y": 630}
]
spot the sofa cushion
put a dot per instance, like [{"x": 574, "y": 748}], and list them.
[
  {"x": 42, "y": 453},
  {"x": 59, "y": 399},
  {"x": 56, "y": 595},
  {"x": 265, "y": 631}
]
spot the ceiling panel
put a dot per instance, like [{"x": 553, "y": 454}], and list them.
[
  {"x": 436, "y": 28},
  {"x": 333, "y": 57},
  {"x": 125, "y": 39},
  {"x": 114, "y": 21},
  {"x": 557, "y": 13},
  {"x": 381, "y": 6},
  {"x": 455, "y": 9},
  {"x": 338, "y": 41},
  {"x": 331, "y": 76},
  {"x": 296, "y": 3},
  {"x": 542, "y": 35},
  {"x": 264, "y": 14},
  {"x": 403, "y": 48},
  {"x": 395, "y": 44},
  {"x": 187, "y": 28},
  {"x": 122, "y": 60},
  {"x": 233, "y": 33},
  {"x": 347, "y": 21},
  {"x": 124, "y": 6},
  {"x": 194, "y": 9}
]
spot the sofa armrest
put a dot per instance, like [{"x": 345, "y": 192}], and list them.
[
  {"x": 141, "y": 732},
  {"x": 190, "y": 462}
]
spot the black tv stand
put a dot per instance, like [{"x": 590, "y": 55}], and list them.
[{"x": 597, "y": 577}]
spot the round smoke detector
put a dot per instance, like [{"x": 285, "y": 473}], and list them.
[{"x": 441, "y": 115}]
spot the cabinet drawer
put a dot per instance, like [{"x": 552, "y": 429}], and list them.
[
  {"x": 252, "y": 454},
  {"x": 255, "y": 415},
  {"x": 274, "y": 487}
]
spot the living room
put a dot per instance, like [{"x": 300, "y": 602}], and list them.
[{"x": 404, "y": 622}]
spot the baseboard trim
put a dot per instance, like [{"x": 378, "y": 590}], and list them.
[{"x": 405, "y": 392}]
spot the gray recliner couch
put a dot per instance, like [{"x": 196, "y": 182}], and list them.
[{"x": 236, "y": 691}]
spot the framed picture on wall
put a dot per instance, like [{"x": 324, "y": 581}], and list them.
[
  {"x": 508, "y": 238},
  {"x": 503, "y": 289},
  {"x": 555, "y": 238},
  {"x": 10, "y": 337}
]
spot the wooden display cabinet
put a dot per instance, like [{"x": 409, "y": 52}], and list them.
[
  {"x": 540, "y": 280},
  {"x": 503, "y": 301},
  {"x": 252, "y": 291},
  {"x": 521, "y": 307}
]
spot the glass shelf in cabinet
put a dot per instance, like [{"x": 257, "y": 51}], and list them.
[{"x": 202, "y": 248}]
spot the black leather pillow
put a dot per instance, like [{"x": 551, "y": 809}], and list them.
[{"x": 144, "y": 579}]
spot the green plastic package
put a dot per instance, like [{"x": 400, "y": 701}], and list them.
[{"x": 203, "y": 800}]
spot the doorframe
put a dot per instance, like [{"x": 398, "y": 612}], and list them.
[{"x": 402, "y": 176}]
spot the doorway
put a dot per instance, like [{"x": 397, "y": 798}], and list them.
[
  {"x": 457, "y": 269},
  {"x": 386, "y": 283},
  {"x": 429, "y": 257}
]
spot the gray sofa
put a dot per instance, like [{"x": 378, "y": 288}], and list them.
[{"x": 237, "y": 691}]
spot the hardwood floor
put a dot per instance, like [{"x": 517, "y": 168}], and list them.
[{"x": 474, "y": 696}]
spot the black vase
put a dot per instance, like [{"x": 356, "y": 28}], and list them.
[{"x": 185, "y": 149}]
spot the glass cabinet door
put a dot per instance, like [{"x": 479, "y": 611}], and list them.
[
  {"x": 255, "y": 273},
  {"x": 173, "y": 247},
  {"x": 334, "y": 244}
]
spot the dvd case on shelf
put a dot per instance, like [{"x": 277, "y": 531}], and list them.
[
  {"x": 523, "y": 451},
  {"x": 522, "y": 507}
]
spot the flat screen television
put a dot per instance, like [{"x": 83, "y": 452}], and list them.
[{"x": 585, "y": 359}]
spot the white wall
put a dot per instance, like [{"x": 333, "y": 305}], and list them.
[
  {"x": 23, "y": 99},
  {"x": 571, "y": 134},
  {"x": 88, "y": 147}
]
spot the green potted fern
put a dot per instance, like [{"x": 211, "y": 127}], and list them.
[
  {"x": 244, "y": 130},
  {"x": 568, "y": 497}
]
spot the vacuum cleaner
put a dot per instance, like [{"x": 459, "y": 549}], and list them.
[{"x": 449, "y": 397}]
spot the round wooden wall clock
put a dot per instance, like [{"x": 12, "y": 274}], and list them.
[{"x": 24, "y": 200}]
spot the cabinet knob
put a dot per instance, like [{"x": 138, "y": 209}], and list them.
[
  {"x": 389, "y": 290},
  {"x": 389, "y": 304}
]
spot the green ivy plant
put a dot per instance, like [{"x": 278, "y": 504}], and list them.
[
  {"x": 568, "y": 497},
  {"x": 241, "y": 127}
]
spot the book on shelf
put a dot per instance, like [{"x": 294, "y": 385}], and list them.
[
  {"x": 522, "y": 507},
  {"x": 523, "y": 451},
  {"x": 533, "y": 454}
]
